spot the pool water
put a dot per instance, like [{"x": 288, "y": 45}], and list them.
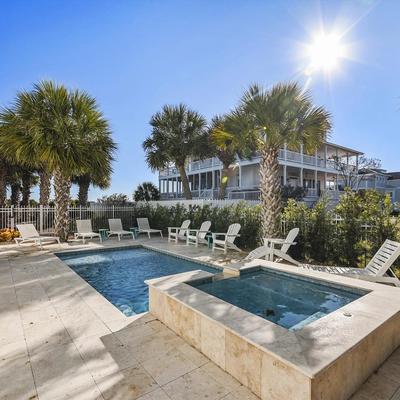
[
  {"x": 119, "y": 275},
  {"x": 291, "y": 302}
]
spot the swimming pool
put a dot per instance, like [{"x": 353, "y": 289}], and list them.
[
  {"x": 284, "y": 299},
  {"x": 119, "y": 275}
]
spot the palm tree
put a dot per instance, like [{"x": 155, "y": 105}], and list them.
[
  {"x": 229, "y": 136},
  {"x": 85, "y": 180},
  {"x": 282, "y": 115},
  {"x": 28, "y": 180},
  {"x": 177, "y": 134},
  {"x": 146, "y": 191},
  {"x": 44, "y": 185},
  {"x": 4, "y": 166},
  {"x": 56, "y": 128}
]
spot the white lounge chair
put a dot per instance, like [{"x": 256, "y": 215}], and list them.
[
  {"x": 85, "y": 231},
  {"x": 196, "y": 236},
  {"x": 273, "y": 253},
  {"x": 144, "y": 227},
  {"x": 228, "y": 241},
  {"x": 377, "y": 270},
  {"x": 116, "y": 228},
  {"x": 29, "y": 233},
  {"x": 175, "y": 233}
]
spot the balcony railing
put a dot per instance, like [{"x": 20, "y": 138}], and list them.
[{"x": 291, "y": 156}]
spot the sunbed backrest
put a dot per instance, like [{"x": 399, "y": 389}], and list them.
[
  {"x": 115, "y": 225},
  {"x": 289, "y": 238},
  {"x": 27, "y": 230},
  {"x": 184, "y": 226},
  {"x": 84, "y": 225},
  {"x": 233, "y": 231},
  {"x": 205, "y": 226},
  {"x": 384, "y": 258},
  {"x": 143, "y": 224}
]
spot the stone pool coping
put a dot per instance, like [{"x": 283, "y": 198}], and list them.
[{"x": 335, "y": 347}]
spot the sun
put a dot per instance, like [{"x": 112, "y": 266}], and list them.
[{"x": 324, "y": 53}]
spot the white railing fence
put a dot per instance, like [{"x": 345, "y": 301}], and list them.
[{"x": 43, "y": 216}]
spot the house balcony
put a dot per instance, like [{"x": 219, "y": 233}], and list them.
[{"x": 291, "y": 157}]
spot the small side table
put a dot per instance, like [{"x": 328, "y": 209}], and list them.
[
  {"x": 103, "y": 234},
  {"x": 209, "y": 240},
  {"x": 135, "y": 232}
]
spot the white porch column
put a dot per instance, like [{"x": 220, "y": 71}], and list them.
[
  {"x": 326, "y": 154},
  {"x": 302, "y": 153},
  {"x": 326, "y": 181},
  {"x": 240, "y": 176},
  {"x": 316, "y": 181},
  {"x": 285, "y": 151},
  {"x": 301, "y": 177},
  {"x": 199, "y": 182},
  {"x": 284, "y": 175},
  {"x": 213, "y": 180}
]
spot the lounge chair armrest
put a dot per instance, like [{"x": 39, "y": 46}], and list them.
[
  {"x": 215, "y": 234},
  {"x": 176, "y": 229},
  {"x": 189, "y": 231}
]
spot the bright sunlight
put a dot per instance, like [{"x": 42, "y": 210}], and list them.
[{"x": 324, "y": 53}]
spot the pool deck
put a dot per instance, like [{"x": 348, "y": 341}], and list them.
[{"x": 60, "y": 339}]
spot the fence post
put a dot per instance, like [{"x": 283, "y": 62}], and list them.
[
  {"x": 113, "y": 211},
  {"x": 12, "y": 224},
  {"x": 41, "y": 218}
]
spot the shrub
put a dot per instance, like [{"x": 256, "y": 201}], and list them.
[
  {"x": 6, "y": 235},
  {"x": 348, "y": 235}
]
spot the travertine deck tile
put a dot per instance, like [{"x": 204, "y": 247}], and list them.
[
  {"x": 196, "y": 385},
  {"x": 105, "y": 355},
  {"x": 129, "y": 384},
  {"x": 166, "y": 367}
]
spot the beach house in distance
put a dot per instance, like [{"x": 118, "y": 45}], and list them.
[{"x": 317, "y": 173}]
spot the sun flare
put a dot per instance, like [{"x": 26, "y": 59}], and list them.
[{"x": 324, "y": 53}]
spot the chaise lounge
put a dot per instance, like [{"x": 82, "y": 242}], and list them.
[
  {"x": 144, "y": 227},
  {"x": 377, "y": 270},
  {"x": 85, "y": 231},
  {"x": 29, "y": 233}
]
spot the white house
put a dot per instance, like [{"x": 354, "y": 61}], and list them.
[
  {"x": 382, "y": 181},
  {"x": 317, "y": 173}
]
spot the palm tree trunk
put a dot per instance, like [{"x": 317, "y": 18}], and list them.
[
  {"x": 26, "y": 188},
  {"x": 270, "y": 188},
  {"x": 3, "y": 186},
  {"x": 44, "y": 188},
  {"x": 15, "y": 192},
  {"x": 62, "y": 186},
  {"x": 185, "y": 182},
  {"x": 83, "y": 191},
  {"x": 224, "y": 181}
]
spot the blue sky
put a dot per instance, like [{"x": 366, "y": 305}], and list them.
[{"x": 136, "y": 56}]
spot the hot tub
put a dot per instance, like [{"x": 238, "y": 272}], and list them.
[{"x": 284, "y": 332}]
